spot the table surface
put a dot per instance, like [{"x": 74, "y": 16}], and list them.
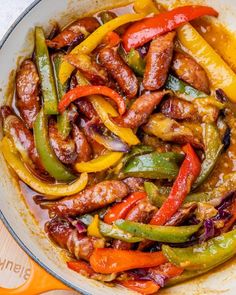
[{"x": 12, "y": 258}]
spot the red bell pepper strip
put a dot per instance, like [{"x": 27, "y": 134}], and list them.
[
  {"x": 112, "y": 39},
  {"x": 188, "y": 173},
  {"x": 81, "y": 91},
  {"x": 108, "y": 260},
  {"x": 120, "y": 210},
  {"x": 143, "y": 287},
  {"x": 145, "y": 30},
  {"x": 81, "y": 267}
]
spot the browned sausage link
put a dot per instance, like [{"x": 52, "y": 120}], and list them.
[
  {"x": 93, "y": 198},
  {"x": 158, "y": 61},
  {"x": 178, "y": 109},
  {"x": 135, "y": 184},
  {"x": 86, "y": 108},
  {"x": 27, "y": 89},
  {"x": 184, "y": 213},
  {"x": 119, "y": 70},
  {"x": 66, "y": 236},
  {"x": 65, "y": 149},
  {"x": 82, "y": 146},
  {"x": 22, "y": 135},
  {"x": 140, "y": 110},
  {"x": 190, "y": 71},
  {"x": 74, "y": 32}
]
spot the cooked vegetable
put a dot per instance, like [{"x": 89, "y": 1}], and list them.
[
  {"x": 165, "y": 234},
  {"x": 135, "y": 61},
  {"x": 141, "y": 286},
  {"x": 154, "y": 165},
  {"x": 145, "y": 30},
  {"x": 51, "y": 191},
  {"x": 46, "y": 73},
  {"x": 115, "y": 262},
  {"x": 188, "y": 173}
]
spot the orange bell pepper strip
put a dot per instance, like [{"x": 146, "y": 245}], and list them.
[
  {"x": 188, "y": 173},
  {"x": 81, "y": 91},
  {"x": 120, "y": 210},
  {"x": 141, "y": 286},
  {"x": 145, "y": 30},
  {"x": 81, "y": 267},
  {"x": 108, "y": 260}
]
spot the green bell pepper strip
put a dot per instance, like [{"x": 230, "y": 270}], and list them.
[
  {"x": 154, "y": 165},
  {"x": 154, "y": 194},
  {"x": 134, "y": 60},
  {"x": 63, "y": 122},
  {"x": 165, "y": 234},
  {"x": 204, "y": 256},
  {"x": 49, "y": 159},
  {"x": 213, "y": 149},
  {"x": 111, "y": 231},
  {"x": 183, "y": 89},
  {"x": 45, "y": 73}
]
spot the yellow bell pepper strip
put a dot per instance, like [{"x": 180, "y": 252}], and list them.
[
  {"x": 93, "y": 229},
  {"x": 219, "y": 73},
  {"x": 100, "y": 163},
  {"x": 48, "y": 158},
  {"x": 126, "y": 134},
  {"x": 87, "y": 90},
  {"x": 89, "y": 44},
  {"x": 45, "y": 73},
  {"x": 145, "y": 6},
  {"x": 51, "y": 191}
]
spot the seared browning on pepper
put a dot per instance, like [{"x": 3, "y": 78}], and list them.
[
  {"x": 119, "y": 70},
  {"x": 27, "y": 89},
  {"x": 93, "y": 198},
  {"x": 158, "y": 61},
  {"x": 74, "y": 33}
]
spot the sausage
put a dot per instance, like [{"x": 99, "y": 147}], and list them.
[
  {"x": 74, "y": 32},
  {"x": 135, "y": 184},
  {"x": 120, "y": 71},
  {"x": 178, "y": 109},
  {"x": 22, "y": 135},
  {"x": 158, "y": 61},
  {"x": 27, "y": 90},
  {"x": 83, "y": 148},
  {"x": 188, "y": 70},
  {"x": 86, "y": 108},
  {"x": 140, "y": 110},
  {"x": 91, "y": 199},
  {"x": 185, "y": 212},
  {"x": 65, "y": 149},
  {"x": 61, "y": 232}
]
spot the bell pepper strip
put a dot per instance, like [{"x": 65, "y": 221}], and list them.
[
  {"x": 219, "y": 73},
  {"x": 110, "y": 231},
  {"x": 112, "y": 39},
  {"x": 49, "y": 159},
  {"x": 50, "y": 190},
  {"x": 126, "y": 134},
  {"x": 136, "y": 62},
  {"x": 81, "y": 91},
  {"x": 155, "y": 197},
  {"x": 213, "y": 149},
  {"x": 141, "y": 286},
  {"x": 165, "y": 234},
  {"x": 63, "y": 122},
  {"x": 183, "y": 89},
  {"x": 145, "y": 30},
  {"x": 155, "y": 165},
  {"x": 145, "y": 6},
  {"x": 108, "y": 260},
  {"x": 81, "y": 267},
  {"x": 120, "y": 210},
  {"x": 93, "y": 228},
  {"x": 90, "y": 43},
  {"x": 188, "y": 173},
  {"x": 204, "y": 256},
  {"x": 45, "y": 73},
  {"x": 100, "y": 163}
]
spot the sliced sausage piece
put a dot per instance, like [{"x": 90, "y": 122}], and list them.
[
  {"x": 188, "y": 70},
  {"x": 65, "y": 149},
  {"x": 27, "y": 89},
  {"x": 86, "y": 108},
  {"x": 135, "y": 184},
  {"x": 178, "y": 109},
  {"x": 21, "y": 135},
  {"x": 140, "y": 110},
  {"x": 61, "y": 232},
  {"x": 93, "y": 198},
  {"x": 158, "y": 61},
  {"x": 119, "y": 70},
  {"x": 83, "y": 148},
  {"x": 74, "y": 32}
]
